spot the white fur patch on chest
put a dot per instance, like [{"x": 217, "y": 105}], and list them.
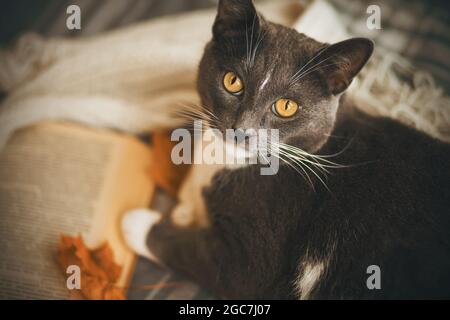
[{"x": 309, "y": 277}]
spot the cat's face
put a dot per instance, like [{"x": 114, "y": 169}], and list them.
[{"x": 260, "y": 75}]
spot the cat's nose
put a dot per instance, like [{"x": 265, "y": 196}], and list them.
[{"x": 240, "y": 136}]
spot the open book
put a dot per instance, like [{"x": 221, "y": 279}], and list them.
[{"x": 62, "y": 178}]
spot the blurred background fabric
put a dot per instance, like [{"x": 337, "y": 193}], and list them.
[
  {"x": 417, "y": 30},
  {"x": 48, "y": 17}
]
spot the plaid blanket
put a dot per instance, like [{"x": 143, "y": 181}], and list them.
[{"x": 417, "y": 30}]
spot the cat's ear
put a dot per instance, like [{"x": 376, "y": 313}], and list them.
[
  {"x": 234, "y": 19},
  {"x": 343, "y": 61}
]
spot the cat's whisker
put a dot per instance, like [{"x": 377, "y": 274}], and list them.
[
  {"x": 317, "y": 175},
  {"x": 339, "y": 152},
  {"x": 316, "y": 163},
  {"x": 308, "y": 164},
  {"x": 321, "y": 168},
  {"x": 193, "y": 116},
  {"x": 309, "y": 71},
  {"x": 304, "y": 159},
  {"x": 204, "y": 123},
  {"x": 288, "y": 161},
  {"x": 310, "y": 60},
  {"x": 194, "y": 113},
  {"x": 258, "y": 43},
  {"x": 293, "y": 163},
  {"x": 251, "y": 39},
  {"x": 297, "y": 165},
  {"x": 247, "y": 41},
  {"x": 201, "y": 109},
  {"x": 301, "y": 163},
  {"x": 210, "y": 113},
  {"x": 300, "y": 157},
  {"x": 251, "y": 46},
  {"x": 314, "y": 65},
  {"x": 188, "y": 108},
  {"x": 322, "y": 158}
]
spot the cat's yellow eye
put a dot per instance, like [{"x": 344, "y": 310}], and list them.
[
  {"x": 285, "y": 108},
  {"x": 232, "y": 83}
]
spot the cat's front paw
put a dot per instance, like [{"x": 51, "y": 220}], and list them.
[{"x": 136, "y": 225}]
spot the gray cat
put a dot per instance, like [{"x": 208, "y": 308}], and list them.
[{"x": 299, "y": 233}]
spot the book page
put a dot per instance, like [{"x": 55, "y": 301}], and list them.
[
  {"x": 129, "y": 187},
  {"x": 55, "y": 179}
]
